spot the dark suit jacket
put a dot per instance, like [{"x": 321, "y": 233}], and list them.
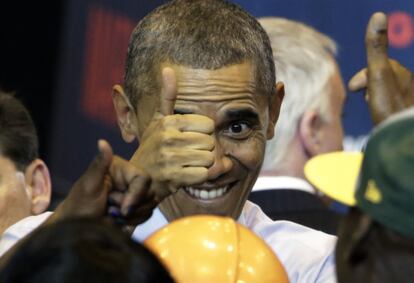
[{"x": 297, "y": 206}]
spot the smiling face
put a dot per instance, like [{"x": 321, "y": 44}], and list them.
[{"x": 230, "y": 98}]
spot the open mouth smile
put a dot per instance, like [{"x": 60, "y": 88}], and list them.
[{"x": 210, "y": 194}]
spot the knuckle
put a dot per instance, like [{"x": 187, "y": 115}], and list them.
[
  {"x": 210, "y": 142},
  {"x": 162, "y": 125},
  {"x": 210, "y": 124},
  {"x": 172, "y": 121},
  {"x": 209, "y": 158},
  {"x": 202, "y": 174},
  {"x": 190, "y": 176},
  {"x": 160, "y": 176},
  {"x": 167, "y": 138},
  {"x": 376, "y": 41},
  {"x": 167, "y": 121},
  {"x": 380, "y": 75},
  {"x": 164, "y": 155},
  {"x": 141, "y": 173},
  {"x": 177, "y": 119},
  {"x": 172, "y": 175}
]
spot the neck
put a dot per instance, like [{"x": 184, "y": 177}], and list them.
[
  {"x": 292, "y": 164},
  {"x": 284, "y": 171}
]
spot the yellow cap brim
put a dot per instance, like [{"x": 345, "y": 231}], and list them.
[{"x": 335, "y": 174}]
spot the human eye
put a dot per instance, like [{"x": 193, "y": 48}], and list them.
[{"x": 238, "y": 129}]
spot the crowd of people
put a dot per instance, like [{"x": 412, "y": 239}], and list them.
[{"x": 203, "y": 99}]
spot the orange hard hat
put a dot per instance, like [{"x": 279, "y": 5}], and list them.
[{"x": 205, "y": 248}]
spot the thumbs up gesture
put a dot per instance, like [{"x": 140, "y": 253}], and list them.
[
  {"x": 108, "y": 175},
  {"x": 175, "y": 149},
  {"x": 389, "y": 86}
]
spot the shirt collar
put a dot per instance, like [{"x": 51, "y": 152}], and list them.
[
  {"x": 158, "y": 220},
  {"x": 282, "y": 182},
  {"x": 154, "y": 223}
]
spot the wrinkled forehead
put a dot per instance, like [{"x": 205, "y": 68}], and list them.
[
  {"x": 242, "y": 76},
  {"x": 237, "y": 74},
  {"x": 233, "y": 83}
]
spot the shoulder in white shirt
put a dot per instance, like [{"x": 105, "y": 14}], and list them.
[
  {"x": 264, "y": 183},
  {"x": 20, "y": 229}
]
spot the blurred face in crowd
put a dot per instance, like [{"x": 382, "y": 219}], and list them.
[{"x": 229, "y": 96}]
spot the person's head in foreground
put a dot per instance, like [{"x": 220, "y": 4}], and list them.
[
  {"x": 376, "y": 240},
  {"x": 25, "y": 185},
  {"x": 215, "y": 249},
  {"x": 200, "y": 96},
  {"x": 310, "y": 118},
  {"x": 82, "y": 250}
]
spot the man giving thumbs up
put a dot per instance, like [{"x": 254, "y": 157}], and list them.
[{"x": 200, "y": 97}]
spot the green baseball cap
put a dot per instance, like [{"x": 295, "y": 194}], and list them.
[{"x": 384, "y": 186}]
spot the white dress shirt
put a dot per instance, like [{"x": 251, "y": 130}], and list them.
[
  {"x": 20, "y": 229},
  {"x": 307, "y": 254}
]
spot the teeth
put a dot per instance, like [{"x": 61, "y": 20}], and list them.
[
  {"x": 203, "y": 194},
  {"x": 213, "y": 194}
]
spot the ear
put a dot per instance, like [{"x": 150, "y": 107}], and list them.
[
  {"x": 39, "y": 186},
  {"x": 125, "y": 114},
  {"x": 274, "y": 109},
  {"x": 310, "y": 132}
]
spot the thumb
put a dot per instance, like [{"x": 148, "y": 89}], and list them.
[
  {"x": 104, "y": 159},
  {"x": 358, "y": 81},
  {"x": 376, "y": 41},
  {"x": 168, "y": 91},
  {"x": 99, "y": 167}
]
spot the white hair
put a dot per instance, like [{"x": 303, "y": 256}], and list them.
[{"x": 304, "y": 60}]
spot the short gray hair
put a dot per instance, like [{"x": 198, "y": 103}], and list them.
[
  {"x": 205, "y": 34},
  {"x": 304, "y": 60}
]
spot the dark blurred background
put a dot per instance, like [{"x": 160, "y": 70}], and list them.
[
  {"x": 30, "y": 36},
  {"x": 30, "y": 41},
  {"x": 62, "y": 58}
]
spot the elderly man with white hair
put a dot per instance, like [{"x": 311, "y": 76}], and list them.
[{"x": 309, "y": 124}]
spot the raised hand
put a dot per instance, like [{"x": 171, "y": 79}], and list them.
[
  {"x": 389, "y": 85},
  {"x": 175, "y": 150},
  {"x": 109, "y": 175}
]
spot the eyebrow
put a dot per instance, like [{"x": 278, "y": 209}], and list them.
[
  {"x": 233, "y": 114},
  {"x": 238, "y": 114}
]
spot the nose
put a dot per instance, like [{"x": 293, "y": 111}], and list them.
[{"x": 222, "y": 164}]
